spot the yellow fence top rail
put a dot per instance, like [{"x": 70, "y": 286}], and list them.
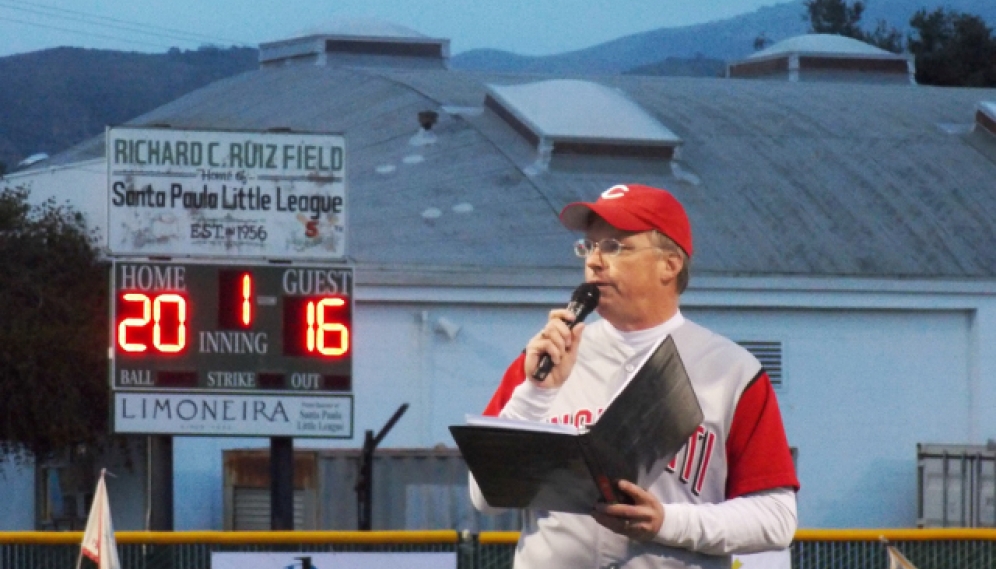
[
  {"x": 498, "y": 537},
  {"x": 891, "y": 534},
  {"x": 897, "y": 534},
  {"x": 240, "y": 537},
  {"x": 448, "y": 536}
]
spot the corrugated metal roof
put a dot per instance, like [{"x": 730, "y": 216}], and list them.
[{"x": 778, "y": 178}]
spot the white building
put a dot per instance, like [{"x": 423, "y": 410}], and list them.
[{"x": 845, "y": 229}]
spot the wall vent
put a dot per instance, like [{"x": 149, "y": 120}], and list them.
[{"x": 770, "y": 356}]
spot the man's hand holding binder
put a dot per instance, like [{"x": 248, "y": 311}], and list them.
[{"x": 640, "y": 517}]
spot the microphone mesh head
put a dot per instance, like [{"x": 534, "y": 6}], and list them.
[{"x": 587, "y": 296}]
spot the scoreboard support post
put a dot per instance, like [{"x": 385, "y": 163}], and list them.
[
  {"x": 160, "y": 482},
  {"x": 281, "y": 483}
]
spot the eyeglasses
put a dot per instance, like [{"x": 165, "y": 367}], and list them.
[{"x": 608, "y": 247}]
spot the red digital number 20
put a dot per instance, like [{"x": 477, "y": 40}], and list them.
[{"x": 152, "y": 312}]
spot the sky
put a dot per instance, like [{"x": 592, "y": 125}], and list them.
[{"x": 526, "y": 27}]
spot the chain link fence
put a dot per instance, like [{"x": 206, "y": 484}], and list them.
[
  {"x": 192, "y": 550},
  {"x": 188, "y": 556},
  {"x": 954, "y": 554},
  {"x": 813, "y": 549}
]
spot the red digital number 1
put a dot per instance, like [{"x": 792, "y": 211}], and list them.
[{"x": 246, "y": 300}]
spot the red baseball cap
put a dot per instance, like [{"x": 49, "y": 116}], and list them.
[{"x": 634, "y": 207}]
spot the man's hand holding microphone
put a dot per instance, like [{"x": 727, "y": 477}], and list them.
[{"x": 550, "y": 354}]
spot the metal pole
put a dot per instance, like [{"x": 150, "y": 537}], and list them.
[
  {"x": 364, "y": 484},
  {"x": 160, "y": 483},
  {"x": 281, "y": 483}
]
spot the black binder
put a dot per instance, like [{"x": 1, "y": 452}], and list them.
[{"x": 519, "y": 464}]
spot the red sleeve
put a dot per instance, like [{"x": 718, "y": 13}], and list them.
[
  {"x": 514, "y": 375},
  {"x": 757, "y": 451}
]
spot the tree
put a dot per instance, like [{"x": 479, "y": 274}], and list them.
[
  {"x": 53, "y": 330},
  {"x": 952, "y": 48},
  {"x": 843, "y": 19},
  {"x": 886, "y": 37},
  {"x": 835, "y": 17}
]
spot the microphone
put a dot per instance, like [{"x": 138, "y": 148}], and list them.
[{"x": 583, "y": 301}]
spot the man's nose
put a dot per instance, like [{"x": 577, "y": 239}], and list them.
[{"x": 594, "y": 259}]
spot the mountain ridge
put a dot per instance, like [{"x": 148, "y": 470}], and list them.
[
  {"x": 728, "y": 39},
  {"x": 53, "y": 99}
]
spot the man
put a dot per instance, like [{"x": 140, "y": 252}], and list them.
[{"x": 732, "y": 488}]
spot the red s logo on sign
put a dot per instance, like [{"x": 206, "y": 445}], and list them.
[{"x": 311, "y": 228}]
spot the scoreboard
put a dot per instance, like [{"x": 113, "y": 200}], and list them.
[{"x": 232, "y": 349}]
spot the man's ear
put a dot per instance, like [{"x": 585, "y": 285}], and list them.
[{"x": 670, "y": 266}]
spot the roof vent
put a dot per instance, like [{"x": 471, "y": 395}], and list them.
[
  {"x": 32, "y": 160},
  {"x": 985, "y": 117},
  {"x": 825, "y": 57},
  {"x": 427, "y": 119},
  {"x": 564, "y": 116},
  {"x": 360, "y": 42}
]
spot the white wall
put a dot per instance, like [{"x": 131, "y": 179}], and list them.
[
  {"x": 402, "y": 359},
  {"x": 17, "y": 496},
  {"x": 861, "y": 389},
  {"x": 125, "y": 488},
  {"x": 399, "y": 358},
  {"x": 198, "y": 479},
  {"x": 83, "y": 185},
  {"x": 126, "y": 485}
]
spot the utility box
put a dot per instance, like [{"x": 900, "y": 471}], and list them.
[
  {"x": 956, "y": 485},
  {"x": 413, "y": 489}
]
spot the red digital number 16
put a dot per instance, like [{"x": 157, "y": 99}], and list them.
[{"x": 318, "y": 328}]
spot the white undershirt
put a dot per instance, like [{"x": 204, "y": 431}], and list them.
[
  {"x": 640, "y": 340},
  {"x": 761, "y": 521},
  {"x": 530, "y": 402}
]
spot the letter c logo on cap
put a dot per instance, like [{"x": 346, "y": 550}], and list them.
[{"x": 615, "y": 192}]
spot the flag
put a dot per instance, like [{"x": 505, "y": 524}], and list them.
[
  {"x": 898, "y": 560},
  {"x": 98, "y": 539}
]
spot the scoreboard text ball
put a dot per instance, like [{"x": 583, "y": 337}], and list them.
[{"x": 231, "y": 328}]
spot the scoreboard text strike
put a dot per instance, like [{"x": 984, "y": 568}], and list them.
[{"x": 222, "y": 328}]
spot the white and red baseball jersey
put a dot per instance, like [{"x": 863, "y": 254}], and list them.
[{"x": 740, "y": 447}]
